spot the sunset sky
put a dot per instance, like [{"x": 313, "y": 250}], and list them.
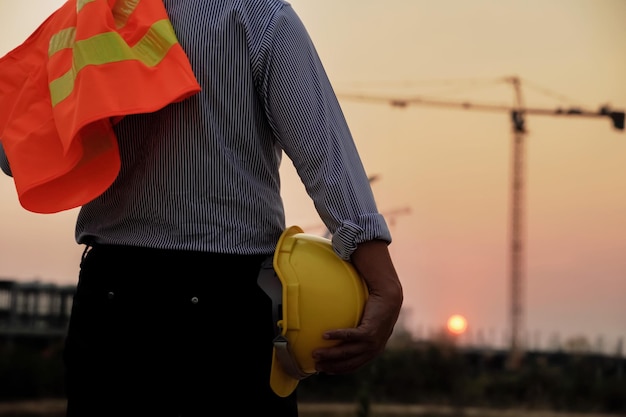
[{"x": 443, "y": 174}]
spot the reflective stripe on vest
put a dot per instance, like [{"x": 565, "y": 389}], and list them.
[{"x": 90, "y": 62}]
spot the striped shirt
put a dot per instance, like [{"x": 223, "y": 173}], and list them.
[{"x": 203, "y": 174}]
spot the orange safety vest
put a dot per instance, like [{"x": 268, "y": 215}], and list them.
[{"x": 88, "y": 65}]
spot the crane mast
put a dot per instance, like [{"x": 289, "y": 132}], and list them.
[{"x": 517, "y": 226}]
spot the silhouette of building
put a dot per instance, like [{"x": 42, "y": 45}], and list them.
[{"x": 34, "y": 311}]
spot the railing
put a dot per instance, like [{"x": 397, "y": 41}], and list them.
[{"x": 34, "y": 309}]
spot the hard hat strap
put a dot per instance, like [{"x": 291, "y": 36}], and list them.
[
  {"x": 287, "y": 360},
  {"x": 271, "y": 285}
]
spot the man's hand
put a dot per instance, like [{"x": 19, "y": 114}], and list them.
[{"x": 360, "y": 345}]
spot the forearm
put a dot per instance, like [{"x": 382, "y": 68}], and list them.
[{"x": 373, "y": 262}]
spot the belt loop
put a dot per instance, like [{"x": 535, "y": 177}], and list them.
[{"x": 85, "y": 252}]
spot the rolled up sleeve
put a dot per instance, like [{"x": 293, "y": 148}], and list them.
[{"x": 349, "y": 234}]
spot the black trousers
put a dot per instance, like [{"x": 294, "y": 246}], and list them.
[{"x": 161, "y": 333}]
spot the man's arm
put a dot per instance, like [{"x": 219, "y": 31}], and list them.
[{"x": 361, "y": 345}]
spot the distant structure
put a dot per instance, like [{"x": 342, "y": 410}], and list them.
[{"x": 34, "y": 311}]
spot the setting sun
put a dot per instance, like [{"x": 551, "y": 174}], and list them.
[{"x": 457, "y": 324}]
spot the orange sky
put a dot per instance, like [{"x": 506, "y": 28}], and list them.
[{"x": 450, "y": 168}]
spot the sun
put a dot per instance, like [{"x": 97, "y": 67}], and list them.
[{"x": 457, "y": 324}]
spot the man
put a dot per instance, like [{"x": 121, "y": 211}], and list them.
[{"x": 168, "y": 319}]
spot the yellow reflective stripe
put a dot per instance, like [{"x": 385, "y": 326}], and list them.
[
  {"x": 64, "y": 39},
  {"x": 122, "y": 11},
  {"x": 110, "y": 47},
  {"x": 81, "y": 3}
]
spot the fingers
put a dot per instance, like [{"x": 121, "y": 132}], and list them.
[
  {"x": 345, "y": 335},
  {"x": 355, "y": 349},
  {"x": 358, "y": 346},
  {"x": 343, "y": 358}
]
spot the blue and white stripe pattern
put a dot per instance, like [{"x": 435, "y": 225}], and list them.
[{"x": 203, "y": 174}]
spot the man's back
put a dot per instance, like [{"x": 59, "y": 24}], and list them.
[
  {"x": 203, "y": 174},
  {"x": 209, "y": 162}
]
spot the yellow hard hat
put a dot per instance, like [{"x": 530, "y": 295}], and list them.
[{"x": 312, "y": 290}]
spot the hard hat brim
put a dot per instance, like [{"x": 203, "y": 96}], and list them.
[{"x": 280, "y": 382}]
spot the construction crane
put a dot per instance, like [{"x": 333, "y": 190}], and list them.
[{"x": 518, "y": 113}]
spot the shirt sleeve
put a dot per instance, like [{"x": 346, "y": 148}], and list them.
[
  {"x": 311, "y": 128},
  {"x": 4, "y": 162}
]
